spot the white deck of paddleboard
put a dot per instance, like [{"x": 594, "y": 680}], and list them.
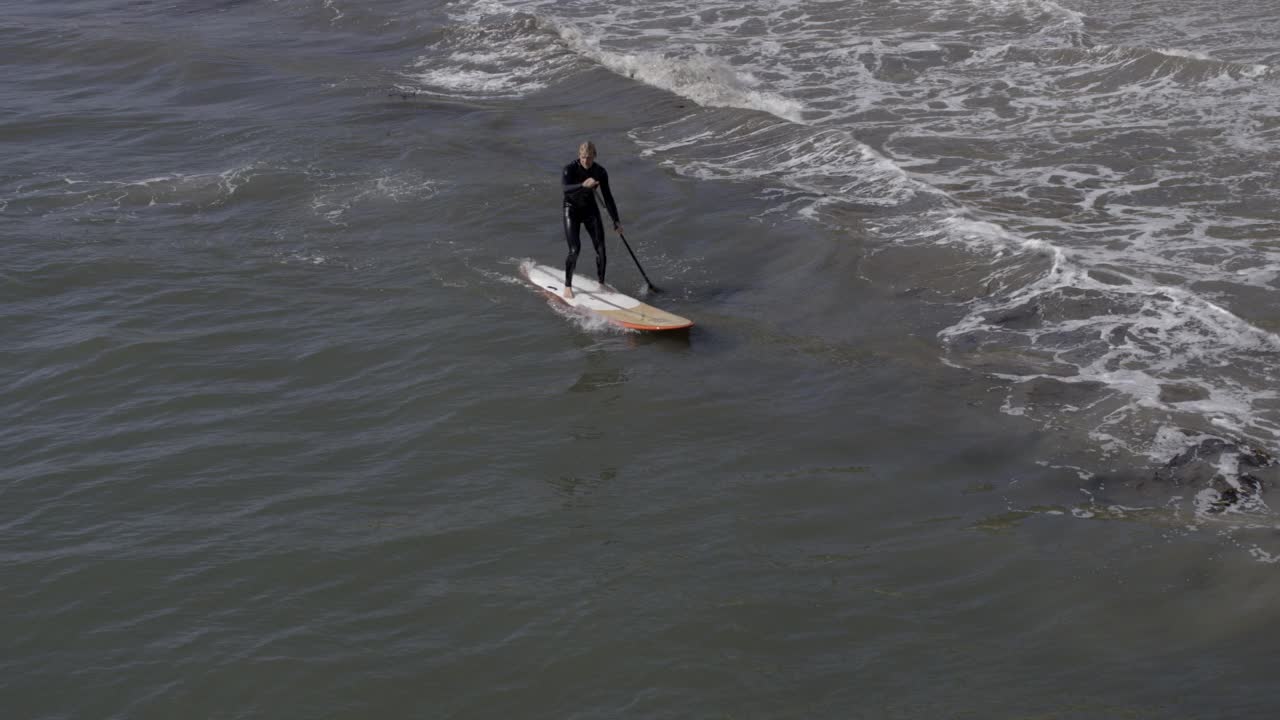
[{"x": 603, "y": 300}]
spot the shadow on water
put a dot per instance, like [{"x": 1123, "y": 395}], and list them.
[
  {"x": 667, "y": 340},
  {"x": 671, "y": 340},
  {"x": 593, "y": 380},
  {"x": 578, "y": 491}
]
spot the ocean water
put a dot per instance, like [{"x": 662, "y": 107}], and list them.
[{"x": 977, "y": 420}]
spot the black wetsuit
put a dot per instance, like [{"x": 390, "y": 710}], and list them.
[{"x": 580, "y": 209}]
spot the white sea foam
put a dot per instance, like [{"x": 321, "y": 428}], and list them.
[
  {"x": 1121, "y": 191},
  {"x": 473, "y": 12},
  {"x": 1140, "y": 339},
  {"x": 1055, "y": 18},
  {"x": 1178, "y": 52},
  {"x": 337, "y": 195},
  {"x": 338, "y": 14},
  {"x": 491, "y": 53},
  {"x": 129, "y": 198},
  {"x": 476, "y": 82},
  {"x": 588, "y": 322},
  {"x": 826, "y": 165},
  {"x": 705, "y": 80}
]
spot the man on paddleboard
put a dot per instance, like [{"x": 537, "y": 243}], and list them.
[{"x": 580, "y": 179}]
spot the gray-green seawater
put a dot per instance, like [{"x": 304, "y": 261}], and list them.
[{"x": 286, "y": 436}]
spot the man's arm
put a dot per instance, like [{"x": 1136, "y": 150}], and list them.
[
  {"x": 566, "y": 179},
  {"x": 609, "y": 204}
]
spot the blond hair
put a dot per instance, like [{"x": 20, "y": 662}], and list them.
[{"x": 587, "y": 147}]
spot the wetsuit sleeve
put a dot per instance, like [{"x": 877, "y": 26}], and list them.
[
  {"x": 566, "y": 179},
  {"x": 609, "y": 204}
]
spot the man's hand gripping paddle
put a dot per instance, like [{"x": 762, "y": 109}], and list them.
[{"x": 652, "y": 288}]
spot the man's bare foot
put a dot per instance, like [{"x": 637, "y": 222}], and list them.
[{"x": 568, "y": 293}]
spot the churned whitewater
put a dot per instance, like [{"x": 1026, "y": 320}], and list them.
[
  {"x": 978, "y": 418},
  {"x": 1114, "y": 199}
]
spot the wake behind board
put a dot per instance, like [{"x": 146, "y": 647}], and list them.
[{"x": 602, "y": 300}]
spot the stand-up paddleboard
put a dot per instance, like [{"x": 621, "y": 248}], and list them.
[{"x": 602, "y": 300}]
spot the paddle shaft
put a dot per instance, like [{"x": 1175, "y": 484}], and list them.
[{"x": 627, "y": 245}]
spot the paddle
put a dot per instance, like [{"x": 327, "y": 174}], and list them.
[{"x": 652, "y": 288}]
